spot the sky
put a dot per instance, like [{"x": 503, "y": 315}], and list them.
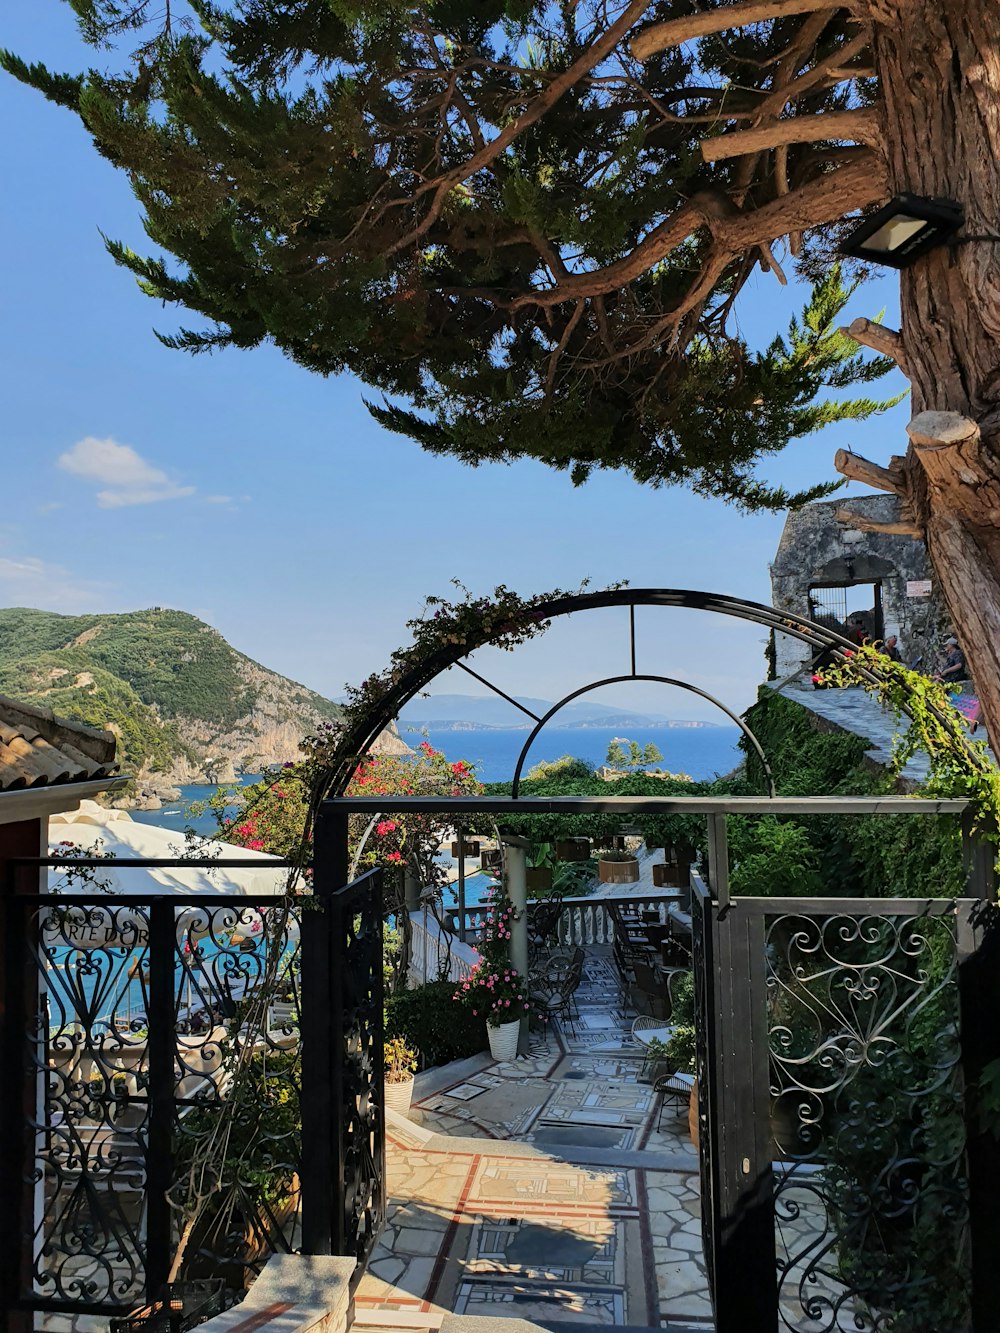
[{"x": 264, "y": 499}]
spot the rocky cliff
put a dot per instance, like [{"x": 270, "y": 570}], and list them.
[{"x": 185, "y": 705}]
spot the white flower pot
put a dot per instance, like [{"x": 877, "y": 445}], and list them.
[
  {"x": 398, "y": 1095},
  {"x": 503, "y": 1040}
]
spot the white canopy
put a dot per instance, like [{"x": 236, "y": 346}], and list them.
[{"x": 116, "y": 833}]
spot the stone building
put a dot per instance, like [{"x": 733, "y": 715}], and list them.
[{"x": 836, "y": 574}]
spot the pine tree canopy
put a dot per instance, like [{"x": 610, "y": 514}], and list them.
[{"x": 523, "y": 224}]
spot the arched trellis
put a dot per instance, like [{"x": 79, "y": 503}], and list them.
[
  {"x": 362, "y": 732},
  {"x": 658, "y": 680}
]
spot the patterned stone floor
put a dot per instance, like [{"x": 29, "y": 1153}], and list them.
[{"x": 545, "y": 1190}]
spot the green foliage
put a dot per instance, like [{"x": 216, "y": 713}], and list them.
[
  {"x": 871, "y": 855},
  {"x": 567, "y": 767},
  {"x": 681, "y": 1048},
  {"x": 774, "y": 858},
  {"x": 73, "y": 687},
  {"x": 428, "y": 1019},
  {"x": 400, "y": 1060},
  {"x": 313, "y": 186},
  {"x": 260, "y": 1124},
  {"x": 623, "y": 754},
  {"x": 139, "y": 673}
]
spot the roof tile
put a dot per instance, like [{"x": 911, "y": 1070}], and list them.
[{"x": 39, "y": 749}]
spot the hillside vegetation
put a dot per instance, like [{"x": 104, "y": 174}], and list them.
[{"x": 182, "y": 701}]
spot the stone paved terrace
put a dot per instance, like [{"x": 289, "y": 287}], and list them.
[{"x": 543, "y": 1189}]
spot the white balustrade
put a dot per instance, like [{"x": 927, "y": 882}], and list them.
[{"x": 432, "y": 949}]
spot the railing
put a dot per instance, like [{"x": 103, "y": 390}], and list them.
[
  {"x": 124, "y": 1019},
  {"x": 435, "y": 953},
  {"x": 583, "y": 921}
]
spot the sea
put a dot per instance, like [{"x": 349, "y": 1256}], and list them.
[{"x": 700, "y": 752}]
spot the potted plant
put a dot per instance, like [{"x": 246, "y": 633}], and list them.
[
  {"x": 618, "y": 868},
  {"x": 499, "y": 992},
  {"x": 573, "y": 849},
  {"x": 400, "y": 1065},
  {"x": 538, "y": 874}
]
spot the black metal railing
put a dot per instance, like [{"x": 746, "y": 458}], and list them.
[
  {"x": 154, "y": 1060},
  {"x": 835, "y": 1145}
]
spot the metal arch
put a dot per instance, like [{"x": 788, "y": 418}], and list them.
[
  {"x": 658, "y": 680},
  {"x": 362, "y": 735}
]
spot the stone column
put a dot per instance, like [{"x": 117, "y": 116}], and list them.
[
  {"x": 411, "y": 889},
  {"x": 515, "y": 870}
]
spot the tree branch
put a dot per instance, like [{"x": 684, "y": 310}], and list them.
[
  {"x": 887, "y": 342},
  {"x": 674, "y": 32},
  {"x": 776, "y": 102},
  {"x": 859, "y": 125},
  {"x": 901, "y": 528},
  {"x": 535, "y": 110},
  {"x": 824, "y": 199},
  {"x": 856, "y": 468}
]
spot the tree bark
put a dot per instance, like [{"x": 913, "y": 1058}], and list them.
[{"x": 939, "y": 76}]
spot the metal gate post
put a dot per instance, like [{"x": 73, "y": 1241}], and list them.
[
  {"x": 319, "y": 1039},
  {"x": 979, "y": 998},
  {"x": 17, "y": 1095},
  {"x": 734, "y": 1106},
  {"x": 162, "y": 1025}
]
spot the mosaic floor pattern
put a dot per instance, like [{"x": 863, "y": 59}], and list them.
[{"x": 533, "y": 1233}]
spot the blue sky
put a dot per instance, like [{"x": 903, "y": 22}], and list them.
[{"x": 266, "y": 500}]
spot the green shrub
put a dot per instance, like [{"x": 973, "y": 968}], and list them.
[{"x": 429, "y": 1019}]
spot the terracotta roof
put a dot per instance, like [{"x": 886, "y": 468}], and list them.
[{"x": 38, "y": 749}]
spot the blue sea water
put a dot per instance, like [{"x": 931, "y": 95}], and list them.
[{"x": 700, "y": 752}]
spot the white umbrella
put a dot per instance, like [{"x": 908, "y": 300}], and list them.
[{"x": 116, "y": 833}]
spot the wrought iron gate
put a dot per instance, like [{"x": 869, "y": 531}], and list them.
[
  {"x": 126, "y": 1020},
  {"x": 839, "y": 1149}
]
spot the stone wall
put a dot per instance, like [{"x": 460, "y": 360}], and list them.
[{"x": 815, "y": 549}]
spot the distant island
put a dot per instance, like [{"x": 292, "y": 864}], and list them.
[{"x": 473, "y": 712}]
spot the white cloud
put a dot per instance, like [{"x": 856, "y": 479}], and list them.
[
  {"x": 126, "y": 476},
  {"x": 27, "y": 581}
]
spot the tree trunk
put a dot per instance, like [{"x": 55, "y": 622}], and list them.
[{"x": 939, "y": 73}]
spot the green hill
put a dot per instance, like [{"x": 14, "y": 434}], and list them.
[{"x": 184, "y": 704}]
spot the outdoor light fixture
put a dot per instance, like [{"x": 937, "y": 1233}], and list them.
[{"x": 903, "y": 230}]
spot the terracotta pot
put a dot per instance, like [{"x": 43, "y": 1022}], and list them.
[
  {"x": 470, "y": 847},
  {"x": 538, "y": 879},
  {"x": 399, "y": 1095},
  {"x": 573, "y": 849},
  {"x": 618, "y": 872},
  {"x": 503, "y": 1040},
  {"x": 693, "y": 1116}
]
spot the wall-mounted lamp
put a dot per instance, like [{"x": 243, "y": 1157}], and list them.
[{"x": 904, "y": 229}]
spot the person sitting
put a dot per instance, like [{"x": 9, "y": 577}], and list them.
[{"x": 891, "y": 649}]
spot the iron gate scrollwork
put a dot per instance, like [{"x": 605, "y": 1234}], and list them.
[
  {"x": 871, "y": 1194},
  {"x": 126, "y": 1018},
  {"x": 834, "y": 1117},
  {"x": 358, "y": 1070}
]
